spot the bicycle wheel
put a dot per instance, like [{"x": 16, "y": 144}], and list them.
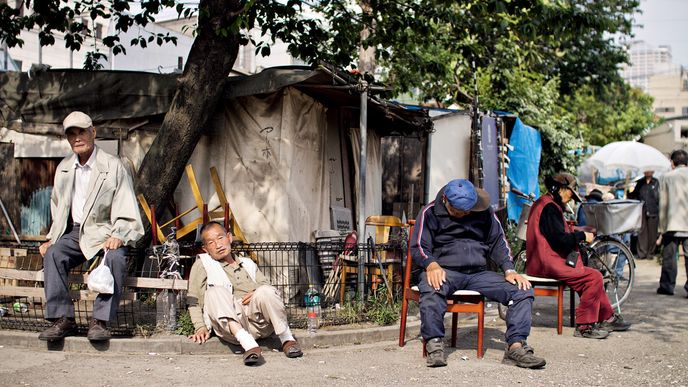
[
  {"x": 617, "y": 265},
  {"x": 520, "y": 261}
]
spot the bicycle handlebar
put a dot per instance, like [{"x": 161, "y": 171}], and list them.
[{"x": 529, "y": 197}]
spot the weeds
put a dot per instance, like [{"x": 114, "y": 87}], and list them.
[{"x": 184, "y": 325}]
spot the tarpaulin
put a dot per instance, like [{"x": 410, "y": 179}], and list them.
[{"x": 524, "y": 166}]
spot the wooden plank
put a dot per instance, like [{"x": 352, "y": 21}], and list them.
[
  {"x": 194, "y": 188},
  {"x": 156, "y": 283},
  {"x": 147, "y": 211},
  {"x": 135, "y": 282},
  {"x": 79, "y": 295}
]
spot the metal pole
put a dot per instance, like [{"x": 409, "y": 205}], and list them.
[
  {"x": 363, "y": 128},
  {"x": 9, "y": 221}
]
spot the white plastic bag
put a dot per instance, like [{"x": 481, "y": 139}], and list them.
[{"x": 100, "y": 280}]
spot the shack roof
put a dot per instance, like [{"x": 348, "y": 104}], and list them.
[{"x": 38, "y": 103}]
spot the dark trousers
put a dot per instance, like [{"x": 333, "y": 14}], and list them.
[
  {"x": 670, "y": 243},
  {"x": 433, "y": 304},
  {"x": 64, "y": 255},
  {"x": 647, "y": 237}
]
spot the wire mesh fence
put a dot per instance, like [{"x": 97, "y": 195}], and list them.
[{"x": 330, "y": 266}]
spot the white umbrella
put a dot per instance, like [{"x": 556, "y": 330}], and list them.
[{"x": 629, "y": 156}]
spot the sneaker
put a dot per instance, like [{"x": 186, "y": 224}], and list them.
[
  {"x": 617, "y": 324},
  {"x": 60, "y": 329},
  {"x": 435, "y": 348},
  {"x": 590, "y": 332},
  {"x": 665, "y": 292},
  {"x": 97, "y": 331},
  {"x": 523, "y": 357}
]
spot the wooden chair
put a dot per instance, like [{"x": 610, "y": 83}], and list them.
[
  {"x": 383, "y": 225},
  {"x": 550, "y": 288},
  {"x": 462, "y": 301}
]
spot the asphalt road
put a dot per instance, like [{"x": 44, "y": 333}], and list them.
[{"x": 653, "y": 352}]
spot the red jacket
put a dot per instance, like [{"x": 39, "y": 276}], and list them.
[{"x": 542, "y": 260}]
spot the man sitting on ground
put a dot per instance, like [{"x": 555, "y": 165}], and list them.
[
  {"x": 454, "y": 237},
  {"x": 230, "y": 296}
]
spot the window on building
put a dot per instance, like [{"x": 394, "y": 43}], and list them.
[
  {"x": 664, "y": 110},
  {"x": 684, "y": 132},
  {"x": 684, "y": 111},
  {"x": 99, "y": 31}
]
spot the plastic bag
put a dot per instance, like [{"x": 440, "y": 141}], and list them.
[{"x": 100, "y": 280}]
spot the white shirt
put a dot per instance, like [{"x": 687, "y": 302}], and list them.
[{"x": 82, "y": 176}]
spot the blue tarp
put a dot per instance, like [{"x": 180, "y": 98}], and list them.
[{"x": 524, "y": 166}]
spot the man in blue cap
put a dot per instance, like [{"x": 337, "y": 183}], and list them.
[{"x": 454, "y": 238}]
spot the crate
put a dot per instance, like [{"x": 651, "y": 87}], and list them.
[{"x": 614, "y": 216}]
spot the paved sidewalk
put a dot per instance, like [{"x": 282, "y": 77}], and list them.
[{"x": 176, "y": 344}]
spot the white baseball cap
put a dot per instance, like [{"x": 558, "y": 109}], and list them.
[{"x": 77, "y": 119}]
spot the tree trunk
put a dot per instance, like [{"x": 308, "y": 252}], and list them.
[
  {"x": 366, "y": 56},
  {"x": 199, "y": 90}
]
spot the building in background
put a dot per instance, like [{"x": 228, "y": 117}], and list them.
[
  {"x": 167, "y": 58},
  {"x": 646, "y": 61}
]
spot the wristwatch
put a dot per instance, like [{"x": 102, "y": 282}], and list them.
[{"x": 507, "y": 271}]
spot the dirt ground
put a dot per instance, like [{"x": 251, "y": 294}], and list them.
[{"x": 653, "y": 352}]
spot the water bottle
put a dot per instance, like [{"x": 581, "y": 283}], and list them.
[
  {"x": 312, "y": 300},
  {"x": 20, "y": 307}
]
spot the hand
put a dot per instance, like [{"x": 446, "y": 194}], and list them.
[
  {"x": 436, "y": 275},
  {"x": 513, "y": 277},
  {"x": 43, "y": 248},
  {"x": 246, "y": 298},
  {"x": 112, "y": 243},
  {"x": 201, "y": 336},
  {"x": 589, "y": 237}
]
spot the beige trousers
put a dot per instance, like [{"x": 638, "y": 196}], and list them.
[{"x": 263, "y": 315}]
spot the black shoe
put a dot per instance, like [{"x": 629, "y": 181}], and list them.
[
  {"x": 590, "y": 332},
  {"x": 435, "y": 348},
  {"x": 664, "y": 291},
  {"x": 60, "y": 329},
  {"x": 97, "y": 331},
  {"x": 616, "y": 325},
  {"x": 523, "y": 357}
]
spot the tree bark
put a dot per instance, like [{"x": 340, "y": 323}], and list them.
[{"x": 200, "y": 88}]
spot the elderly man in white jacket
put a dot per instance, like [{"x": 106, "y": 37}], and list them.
[
  {"x": 94, "y": 209},
  {"x": 673, "y": 219}
]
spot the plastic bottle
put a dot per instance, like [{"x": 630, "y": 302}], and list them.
[
  {"x": 20, "y": 307},
  {"x": 312, "y": 300}
]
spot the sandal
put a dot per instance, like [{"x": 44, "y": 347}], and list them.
[
  {"x": 292, "y": 349},
  {"x": 253, "y": 356}
]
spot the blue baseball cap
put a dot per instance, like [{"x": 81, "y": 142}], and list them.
[{"x": 464, "y": 196}]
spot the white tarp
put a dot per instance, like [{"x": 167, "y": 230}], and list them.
[
  {"x": 269, "y": 151},
  {"x": 373, "y": 184}
]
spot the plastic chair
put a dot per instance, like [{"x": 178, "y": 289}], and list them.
[{"x": 462, "y": 301}]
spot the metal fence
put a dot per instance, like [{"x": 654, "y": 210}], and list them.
[{"x": 291, "y": 268}]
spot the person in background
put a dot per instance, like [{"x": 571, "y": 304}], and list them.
[
  {"x": 673, "y": 220},
  {"x": 647, "y": 191},
  {"x": 552, "y": 252},
  {"x": 595, "y": 196}
]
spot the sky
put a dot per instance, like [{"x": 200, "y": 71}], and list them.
[{"x": 665, "y": 22}]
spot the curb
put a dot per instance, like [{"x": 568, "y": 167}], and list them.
[{"x": 175, "y": 344}]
